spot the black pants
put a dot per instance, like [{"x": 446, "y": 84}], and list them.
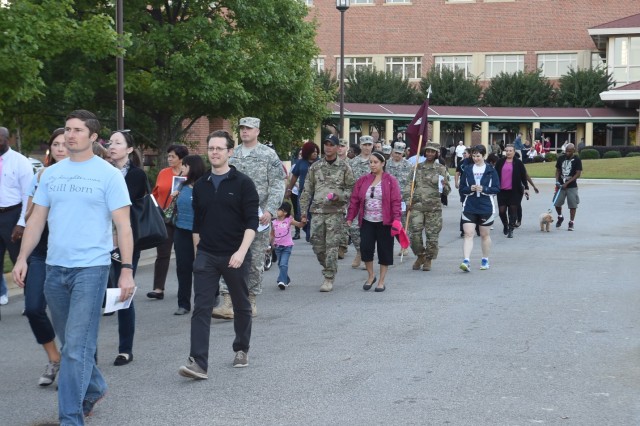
[
  {"x": 372, "y": 233},
  {"x": 207, "y": 270},
  {"x": 185, "y": 255},
  {"x": 161, "y": 267}
]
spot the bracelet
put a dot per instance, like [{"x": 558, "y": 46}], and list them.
[
  {"x": 127, "y": 266},
  {"x": 288, "y": 190}
]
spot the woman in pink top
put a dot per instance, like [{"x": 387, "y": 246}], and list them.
[{"x": 376, "y": 201}]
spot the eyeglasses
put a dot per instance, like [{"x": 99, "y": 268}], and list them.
[
  {"x": 216, "y": 149},
  {"x": 372, "y": 190}
]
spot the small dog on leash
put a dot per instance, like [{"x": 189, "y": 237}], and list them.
[{"x": 545, "y": 220}]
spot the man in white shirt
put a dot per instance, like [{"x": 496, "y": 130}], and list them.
[
  {"x": 460, "y": 152},
  {"x": 16, "y": 173}
]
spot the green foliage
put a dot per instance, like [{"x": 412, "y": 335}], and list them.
[
  {"x": 34, "y": 35},
  {"x": 612, "y": 154},
  {"x": 582, "y": 88},
  {"x": 328, "y": 83},
  {"x": 451, "y": 88},
  {"x": 521, "y": 89},
  {"x": 552, "y": 156},
  {"x": 538, "y": 159},
  {"x": 370, "y": 86},
  {"x": 185, "y": 60},
  {"x": 589, "y": 154},
  {"x": 633, "y": 154}
]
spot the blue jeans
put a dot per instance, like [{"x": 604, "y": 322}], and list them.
[
  {"x": 283, "y": 253},
  {"x": 75, "y": 298},
  {"x": 35, "y": 304},
  {"x": 3, "y": 285}
]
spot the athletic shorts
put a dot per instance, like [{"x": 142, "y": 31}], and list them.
[
  {"x": 478, "y": 219},
  {"x": 571, "y": 195}
]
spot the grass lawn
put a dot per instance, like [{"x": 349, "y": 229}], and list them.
[
  {"x": 7, "y": 263},
  {"x": 610, "y": 168}
]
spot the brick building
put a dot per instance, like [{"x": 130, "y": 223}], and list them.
[{"x": 483, "y": 38}]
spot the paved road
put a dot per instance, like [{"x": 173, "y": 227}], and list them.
[{"x": 549, "y": 335}]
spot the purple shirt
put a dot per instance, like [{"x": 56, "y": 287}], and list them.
[
  {"x": 282, "y": 232},
  {"x": 506, "y": 180}
]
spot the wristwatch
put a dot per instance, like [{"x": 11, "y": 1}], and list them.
[{"x": 127, "y": 265}]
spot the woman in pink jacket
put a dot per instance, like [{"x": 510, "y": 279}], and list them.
[{"x": 376, "y": 201}]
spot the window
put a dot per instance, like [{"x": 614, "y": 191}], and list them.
[
  {"x": 404, "y": 66},
  {"x": 454, "y": 63},
  {"x": 361, "y": 2},
  {"x": 556, "y": 64},
  {"x": 626, "y": 60},
  {"x": 308, "y": 2},
  {"x": 597, "y": 60},
  {"x": 317, "y": 64},
  {"x": 354, "y": 64},
  {"x": 495, "y": 64},
  {"x": 397, "y": 1}
]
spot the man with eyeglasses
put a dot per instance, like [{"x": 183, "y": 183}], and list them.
[
  {"x": 326, "y": 192},
  {"x": 265, "y": 169},
  {"x": 225, "y": 220}
]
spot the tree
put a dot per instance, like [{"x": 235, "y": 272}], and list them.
[
  {"x": 33, "y": 33},
  {"x": 186, "y": 60},
  {"x": 328, "y": 83},
  {"x": 451, "y": 87},
  {"x": 521, "y": 89},
  {"x": 582, "y": 88},
  {"x": 369, "y": 86}
]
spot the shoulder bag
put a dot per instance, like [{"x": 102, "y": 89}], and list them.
[{"x": 147, "y": 222}]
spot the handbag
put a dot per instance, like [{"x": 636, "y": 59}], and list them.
[
  {"x": 147, "y": 222},
  {"x": 169, "y": 214}
]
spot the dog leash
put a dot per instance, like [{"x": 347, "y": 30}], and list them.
[{"x": 555, "y": 198}]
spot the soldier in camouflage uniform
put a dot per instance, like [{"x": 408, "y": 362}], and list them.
[
  {"x": 426, "y": 207},
  {"x": 265, "y": 169},
  {"x": 327, "y": 188},
  {"x": 401, "y": 169},
  {"x": 344, "y": 242},
  {"x": 360, "y": 167}
]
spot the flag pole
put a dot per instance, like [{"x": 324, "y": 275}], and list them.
[{"x": 425, "y": 129}]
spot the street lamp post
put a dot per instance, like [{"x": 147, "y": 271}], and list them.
[
  {"x": 119, "y": 68},
  {"x": 342, "y": 6}
]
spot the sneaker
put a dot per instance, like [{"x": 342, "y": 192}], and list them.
[
  {"x": 465, "y": 266},
  {"x": 559, "y": 221},
  {"x": 283, "y": 286},
  {"x": 484, "y": 265},
  {"x": 241, "y": 359},
  {"x": 50, "y": 373},
  {"x": 192, "y": 370},
  {"x": 4, "y": 299},
  {"x": 570, "y": 226}
]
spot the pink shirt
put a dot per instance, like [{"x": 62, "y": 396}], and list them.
[
  {"x": 506, "y": 180},
  {"x": 373, "y": 205},
  {"x": 282, "y": 232}
]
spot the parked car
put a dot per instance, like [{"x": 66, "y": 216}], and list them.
[{"x": 36, "y": 164}]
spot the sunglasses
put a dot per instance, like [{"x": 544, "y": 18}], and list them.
[{"x": 372, "y": 190}]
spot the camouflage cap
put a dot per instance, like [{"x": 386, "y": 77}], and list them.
[
  {"x": 250, "y": 122},
  {"x": 366, "y": 139},
  {"x": 433, "y": 146},
  {"x": 386, "y": 149},
  {"x": 399, "y": 147},
  {"x": 344, "y": 142}
]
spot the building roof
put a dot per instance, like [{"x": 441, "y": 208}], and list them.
[
  {"x": 491, "y": 114},
  {"x": 601, "y": 33}
]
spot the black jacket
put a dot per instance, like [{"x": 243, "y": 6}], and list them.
[
  {"x": 519, "y": 182},
  {"x": 222, "y": 216},
  {"x": 136, "y": 180}
]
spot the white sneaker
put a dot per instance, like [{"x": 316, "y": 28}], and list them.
[
  {"x": 4, "y": 300},
  {"x": 283, "y": 286}
]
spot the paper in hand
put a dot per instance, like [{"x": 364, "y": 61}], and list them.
[{"x": 113, "y": 302}]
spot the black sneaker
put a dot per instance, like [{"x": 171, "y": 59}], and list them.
[
  {"x": 570, "y": 226},
  {"x": 559, "y": 222}
]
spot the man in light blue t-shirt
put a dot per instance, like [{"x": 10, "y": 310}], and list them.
[{"x": 80, "y": 197}]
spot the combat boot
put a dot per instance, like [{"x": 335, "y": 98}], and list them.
[
  {"x": 419, "y": 261},
  {"x": 224, "y": 311},
  {"x": 426, "y": 266},
  {"x": 341, "y": 252},
  {"x": 254, "y": 309},
  {"x": 357, "y": 260},
  {"x": 327, "y": 285}
]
